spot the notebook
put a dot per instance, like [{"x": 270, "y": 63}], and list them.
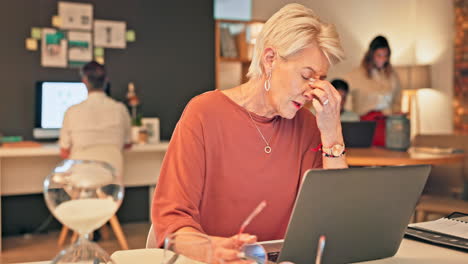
[{"x": 449, "y": 231}]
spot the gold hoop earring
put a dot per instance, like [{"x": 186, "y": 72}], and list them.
[{"x": 267, "y": 84}]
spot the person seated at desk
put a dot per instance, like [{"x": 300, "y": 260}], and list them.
[
  {"x": 97, "y": 128},
  {"x": 234, "y": 148},
  {"x": 342, "y": 88}
]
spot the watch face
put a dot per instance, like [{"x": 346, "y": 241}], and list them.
[{"x": 337, "y": 150}]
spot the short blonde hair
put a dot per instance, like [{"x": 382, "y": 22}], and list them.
[{"x": 292, "y": 29}]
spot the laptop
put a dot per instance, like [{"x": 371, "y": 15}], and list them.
[
  {"x": 358, "y": 134},
  {"x": 362, "y": 212}
]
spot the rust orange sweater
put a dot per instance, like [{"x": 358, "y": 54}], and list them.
[{"x": 215, "y": 171}]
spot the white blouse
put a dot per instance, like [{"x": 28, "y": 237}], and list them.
[
  {"x": 99, "y": 120},
  {"x": 378, "y": 93}
]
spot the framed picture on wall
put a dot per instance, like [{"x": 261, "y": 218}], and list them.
[
  {"x": 110, "y": 34},
  {"x": 75, "y": 16},
  {"x": 80, "y": 47},
  {"x": 152, "y": 127},
  {"x": 53, "y": 48}
]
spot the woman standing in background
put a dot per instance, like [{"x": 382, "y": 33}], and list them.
[{"x": 374, "y": 86}]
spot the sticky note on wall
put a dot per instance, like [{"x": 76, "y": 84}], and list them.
[
  {"x": 36, "y": 33},
  {"x": 56, "y": 21},
  {"x": 130, "y": 35},
  {"x": 31, "y": 44},
  {"x": 98, "y": 52}
]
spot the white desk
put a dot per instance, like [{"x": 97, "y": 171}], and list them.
[
  {"x": 410, "y": 252},
  {"x": 23, "y": 170},
  {"x": 415, "y": 252}
]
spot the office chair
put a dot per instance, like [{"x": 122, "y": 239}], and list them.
[{"x": 151, "y": 239}]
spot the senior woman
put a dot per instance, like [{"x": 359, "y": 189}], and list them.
[{"x": 232, "y": 149}]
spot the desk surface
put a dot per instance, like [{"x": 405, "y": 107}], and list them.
[
  {"x": 415, "y": 252},
  {"x": 54, "y": 150},
  {"x": 383, "y": 157},
  {"x": 410, "y": 251},
  {"x": 355, "y": 156}
]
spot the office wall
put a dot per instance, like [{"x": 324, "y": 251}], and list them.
[
  {"x": 434, "y": 45},
  {"x": 171, "y": 61},
  {"x": 419, "y": 32}
]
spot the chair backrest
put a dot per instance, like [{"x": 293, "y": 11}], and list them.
[
  {"x": 107, "y": 153},
  {"x": 151, "y": 239}
]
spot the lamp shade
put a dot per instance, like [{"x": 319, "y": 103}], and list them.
[{"x": 414, "y": 76}]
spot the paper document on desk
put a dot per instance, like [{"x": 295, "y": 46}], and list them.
[
  {"x": 449, "y": 231},
  {"x": 453, "y": 227},
  {"x": 437, "y": 150}
]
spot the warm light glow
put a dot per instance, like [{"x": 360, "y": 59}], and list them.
[
  {"x": 433, "y": 107},
  {"x": 429, "y": 50}
]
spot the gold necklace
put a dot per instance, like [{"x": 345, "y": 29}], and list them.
[{"x": 267, "y": 148}]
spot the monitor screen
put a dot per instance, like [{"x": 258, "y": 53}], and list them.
[{"x": 54, "y": 98}]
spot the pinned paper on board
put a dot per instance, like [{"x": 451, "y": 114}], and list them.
[
  {"x": 130, "y": 35},
  {"x": 80, "y": 48},
  {"x": 109, "y": 34},
  {"x": 36, "y": 33},
  {"x": 76, "y": 37},
  {"x": 78, "y": 16},
  {"x": 53, "y": 48},
  {"x": 31, "y": 44}
]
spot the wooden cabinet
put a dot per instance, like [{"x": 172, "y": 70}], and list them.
[{"x": 234, "y": 41}]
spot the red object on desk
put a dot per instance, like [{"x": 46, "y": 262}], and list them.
[
  {"x": 379, "y": 134},
  {"x": 22, "y": 144}
]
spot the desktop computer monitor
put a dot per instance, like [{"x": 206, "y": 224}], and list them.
[{"x": 52, "y": 100}]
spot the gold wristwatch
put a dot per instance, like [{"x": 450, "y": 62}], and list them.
[{"x": 334, "y": 151}]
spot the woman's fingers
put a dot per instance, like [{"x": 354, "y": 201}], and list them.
[
  {"x": 328, "y": 102},
  {"x": 324, "y": 90},
  {"x": 243, "y": 239},
  {"x": 234, "y": 242},
  {"x": 336, "y": 94},
  {"x": 227, "y": 250},
  {"x": 227, "y": 254},
  {"x": 320, "y": 95},
  {"x": 317, "y": 105}
]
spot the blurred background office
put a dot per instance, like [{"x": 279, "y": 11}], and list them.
[{"x": 176, "y": 54}]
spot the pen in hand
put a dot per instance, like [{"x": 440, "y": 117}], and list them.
[
  {"x": 320, "y": 248},
  {"x": 252, "y": 215}
]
